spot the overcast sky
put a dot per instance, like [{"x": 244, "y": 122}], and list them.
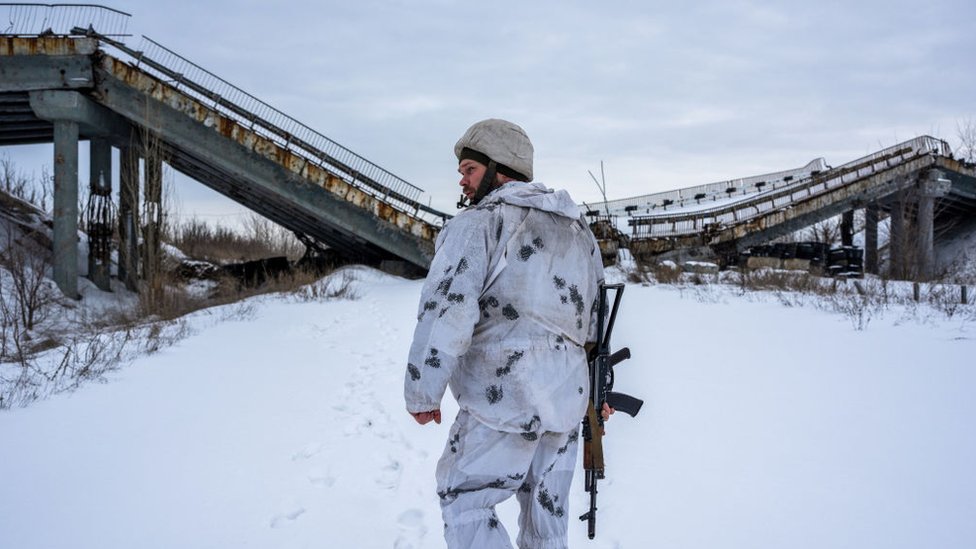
[{"x": 667, "y": 94}]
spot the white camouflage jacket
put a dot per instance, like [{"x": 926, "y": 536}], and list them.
[{"x": 505, "y": 311}]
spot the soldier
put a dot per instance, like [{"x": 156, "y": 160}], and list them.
[{"x": 504, "y": 315}]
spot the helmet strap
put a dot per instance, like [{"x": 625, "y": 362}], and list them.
[{"x": 488, "y": 183}]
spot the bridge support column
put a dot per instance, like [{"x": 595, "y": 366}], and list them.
[
  {"x": 128, "y": 217},
  {"x": 847, "y": 229},
  {"x": 932, "y": 186},
  {"x": 871, "y": 214},
  {"x": 100, "y": 214},
  {"x": 65, "y": 237}
]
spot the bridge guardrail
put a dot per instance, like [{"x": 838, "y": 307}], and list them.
[
  {"x": 710, "y": 191},
  {"x": 277, "y": 126},
  {"x": 25, "y": 19},
  {"x": 651, "y": 226}
]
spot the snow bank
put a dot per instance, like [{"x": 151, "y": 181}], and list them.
[{"x": 280, "y": 424}]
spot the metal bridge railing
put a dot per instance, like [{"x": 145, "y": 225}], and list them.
[
  {"x": 700, "y": 220},
  {"x": 285, "y": 131},
  {"x": 659, "y": 202},
  {"x": 39, "y": 19}
]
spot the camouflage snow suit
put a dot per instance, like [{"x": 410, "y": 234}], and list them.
[{"x": 504, "y": 314}]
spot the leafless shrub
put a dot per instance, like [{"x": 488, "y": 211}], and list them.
[
  {"x": 707, "y": 293},
  {"x": 24, "y": 265},
  {"x": 23, "y": 187},
  {"x": 780, "y": 280},
  {"x": 947, "y": 299},
  {"x": 279, "y": 240},
  {"x": 221, "y": 244},
  {"x": 825, "y": 232},
  {"x": 336, "y": 286},
  {"x": 648, "y": 269},
  {"x": 665, "y": 272},
  {"x": 966, "y": 133},
  {"x": 638, "y": 276},
  {"x": 42, "y": 353},
  {"x": 173, "y": 301},
  {"x": 241, "y": 310},
  {"x": 82, "y": 358},
  {"x": 792, "y": 299},
  {"x": 858, "y": 309}
]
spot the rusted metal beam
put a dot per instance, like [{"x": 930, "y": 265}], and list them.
[{"x": 46, "y": 46}]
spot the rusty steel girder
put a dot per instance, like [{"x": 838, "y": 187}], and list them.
[{"x": 47, "y": 45}]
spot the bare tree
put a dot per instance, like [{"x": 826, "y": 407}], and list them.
[
  {"x": 275, "y": 238},
  {"x": 826, "y": 232},
  {"x": 966, "y": 133},
  {"x": 12, "y": 182},
  {"x": 151, "y": 294},
  {"x": 19, "y": 185},
  {"x": 26, "y": 263}
]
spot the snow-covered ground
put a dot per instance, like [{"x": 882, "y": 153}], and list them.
[{"x": 280, "y": 424}]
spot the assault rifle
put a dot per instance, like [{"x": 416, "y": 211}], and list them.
[{"x": 601, "y": 382}]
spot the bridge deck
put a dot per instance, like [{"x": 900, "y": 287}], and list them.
[
  {"x": 745, "y": 219},
  {"x": 327, "y": 193}
]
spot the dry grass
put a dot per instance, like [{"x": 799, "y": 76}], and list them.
[{"x": 217, "y": 243}]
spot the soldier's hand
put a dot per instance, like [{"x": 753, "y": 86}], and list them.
[
  {"x": 424, "y": 418},
  {"x": 607, "y": 411}
]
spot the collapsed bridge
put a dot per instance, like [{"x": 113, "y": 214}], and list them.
[
  {"x": 917, "y": 186},
  {"x": 64, "y": 83}
]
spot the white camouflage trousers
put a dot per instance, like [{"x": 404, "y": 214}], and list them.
[{"x": 482, "y": 467}]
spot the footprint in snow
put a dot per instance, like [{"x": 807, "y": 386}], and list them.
[
  {"x": 412, "y": 529},
  {"x": 320, "y": 478},
  {"x": 389, "y": 477},
  {"x": 365, "y": 353},
  {"x": 307, "y": 452},
  {"x": 357, "y": 426},
  {"x": 282, "y": 519}
]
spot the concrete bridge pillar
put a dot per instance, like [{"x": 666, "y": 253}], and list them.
[
  {"x": 65, "y": 237},
  {"x": 100, "y": 213},
  {"x": 871, "y": 214},
  {"x": 931, "y": 187},
  {"x": 847, "y": 228},
  {"x": 128, "y": 217},
  {"x": 72, "y": 113}
]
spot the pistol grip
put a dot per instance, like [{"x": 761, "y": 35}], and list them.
[{"x": 624, "y": 403}]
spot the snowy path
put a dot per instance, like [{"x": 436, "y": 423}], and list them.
[{"x": 765, "y": 427}]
